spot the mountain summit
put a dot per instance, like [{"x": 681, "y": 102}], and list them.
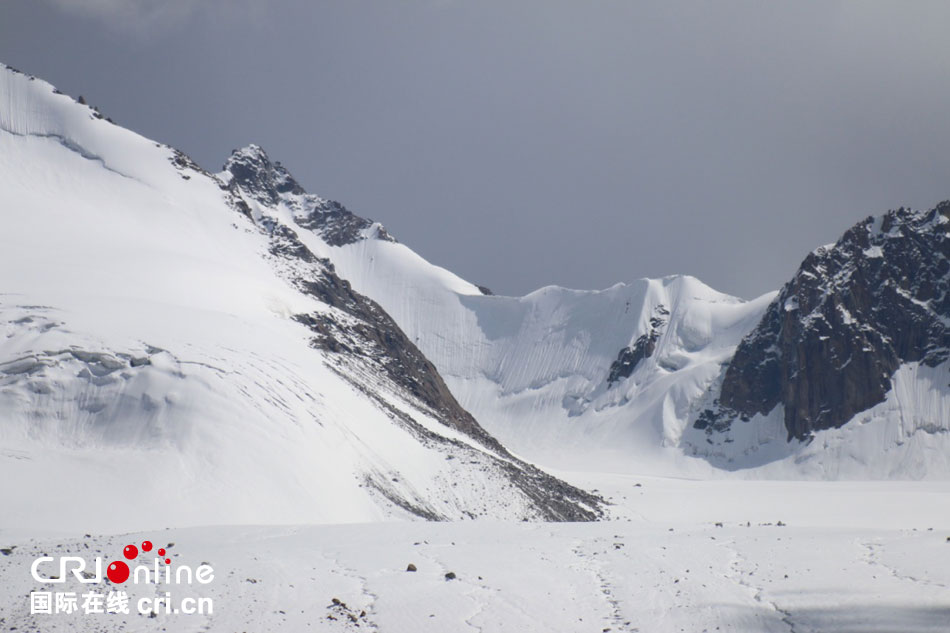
[{"x": 251, "y": 172}]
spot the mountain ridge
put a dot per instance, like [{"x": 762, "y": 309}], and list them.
[
  {"x": 671, "y": 404},
  {"x": 664, "y": 376}
]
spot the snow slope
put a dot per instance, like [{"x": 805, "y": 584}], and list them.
[
  {"x": 156, "y": 354},
  {"x": 535, "y": 369}
]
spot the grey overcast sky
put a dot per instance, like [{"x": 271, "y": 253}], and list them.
[{"x": 527, "y": 143}]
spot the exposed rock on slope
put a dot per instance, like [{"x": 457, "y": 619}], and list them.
[
  {"x": 829, "y": 344},
  {"x": 361, "y": 338},
  {"x": 629, "y": 357},
  {"x": 270, "y": 184}
]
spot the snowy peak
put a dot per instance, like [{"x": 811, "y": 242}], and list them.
[
  {"x": 250, "y": 172},
  {"x": 829, "y": 345}
]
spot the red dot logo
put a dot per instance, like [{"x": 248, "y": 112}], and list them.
[
  {"x": 168, "y": 561},
  {"x": 130, "y": 552},
  {"x": 146, "y": 546},
  {"x": 161, "y": 551},
  {"x": 118, "y": 572}
]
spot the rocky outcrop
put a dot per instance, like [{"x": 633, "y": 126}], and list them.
[
  {"x": 630, "y": 357},
  {"x": 270, "y": 184},
  {"x": 828, "y": 345},
  {"x": 259, "y": 178}
]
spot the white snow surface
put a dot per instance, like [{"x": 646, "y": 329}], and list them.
[
  {"x": 678, "y": 555},
  {"x": 148, "y": 357}
]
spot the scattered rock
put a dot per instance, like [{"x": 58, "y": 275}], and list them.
[
  {"x": 6, "y": 551},
  {"x": 450, "y": 576},
  {"x": 411, "y": 567},
  {"x": 341, "y": 611}
]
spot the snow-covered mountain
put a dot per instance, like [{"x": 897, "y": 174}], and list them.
[
  {"x": 555, "y": 375},
  {"x": 663, "y": 375},
  {"x": 265, "y": 352},
  {"x": 848, "y": 368},
  {"x": 170, "y": 355}
]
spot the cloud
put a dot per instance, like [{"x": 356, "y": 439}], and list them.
[
  {"x": 125, "y": 10},
  {"x": 143, "y": 15}
]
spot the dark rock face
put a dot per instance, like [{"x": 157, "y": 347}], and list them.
[
  {"x": 269, "y": 183},
  {"x": 376, "y": 339},
  {"x": 336, "y": 225},
  {"x": 829, "y": 344},
  {"x": 257, "y": 176},
  {"x": 183, "y": 163},
  {"x": 630, "y": 357}
]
